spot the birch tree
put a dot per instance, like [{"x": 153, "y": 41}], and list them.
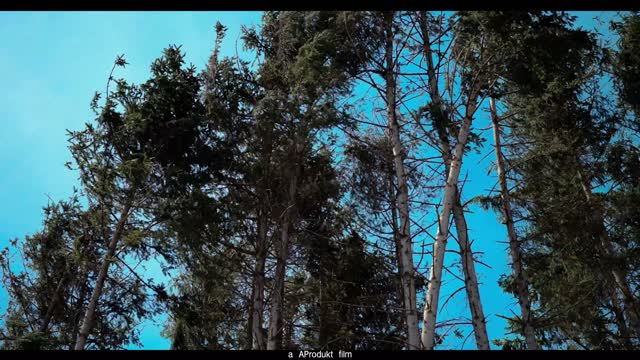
[
  {"x": 441, "y": 122},
  {"x": 471, "y": 64}
]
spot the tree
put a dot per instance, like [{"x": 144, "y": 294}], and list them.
[
  {"x": 121, "y": 156},
  {"x": 441, "y": 122},
  {"x": 48, "y": 295},
  {"x": 475, "y": 76},
  {"x": 303, "y": 75},
  {"x": 561, "y": 127},
  {"x": 293, "y": 190}
]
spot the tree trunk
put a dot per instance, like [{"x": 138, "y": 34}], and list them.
[
  {"x": 440, "y": 244},
  {"x": 468, "y": 263},
  {"x": 394, "y": 223},
  {"x": 52, "y": 305},
  {"x": 630, "y": 303},
  {"x": 623, "y": 330},
  {"x": 395, "y": 231},
  {"x": 262, "y": 244},
  {"x": 466, "y": 254},
  {"x": 278, "y": 292},
  {"x": 258, "y": 284},
  {"x": 277, "y": 303},
  {"x": 83, "y": 278},
  {"x": 287, "y": 340},
  {"x": 521, "y": 281},
  {"x": 88, "y": 320},
  {"x": 405, "y": 248},
  {"x": 249, "y": 329},
  {"x": 478, "y": 319},
  {"x": 322, "y": 314},
  {"x": 451, "y": 201}
]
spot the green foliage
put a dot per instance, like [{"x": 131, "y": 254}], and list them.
[
  {"x": 205, "y": 161},
  {"x": 563, "y": 130},
  {"x": 53, "y": 289}
]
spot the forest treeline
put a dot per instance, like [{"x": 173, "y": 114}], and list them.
[{"x": 285, "y": 194}]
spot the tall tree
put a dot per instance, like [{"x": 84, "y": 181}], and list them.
[
  {"x": 305, "y": 71},
  {"x": 474, "y": 73},
  {"x": 561, "y": 128},
  {"x": 521, "y": 283},
  {"x": 120, "y": 157},
  {"x": 441, "y": 123}
]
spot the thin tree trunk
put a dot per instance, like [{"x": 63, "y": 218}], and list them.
[
  {"x": 261, "y": 245},
  {"x": 79, "y": 304},
  {"x": 451, "y": 201},
  {"x": 405, "y": 248},
  {"x": 277, "y": 293},
  {"x": 468, "y": 263},
  {"x": 275, "y": 321},
  {"x": 478, "y": 319},
  {"x": 52, "y": 305},
  {"x": 287, "y": 340},
  {"x": 322, "y": 313},
  {"x": 88, "y": 321},
  {"x": 440, "y": 244},
  {"x": 521, "y": 281},
  {"x": 249, "y": 329},
  {"x": 630, "y": 303},
  {"x": 323, "y": 308},
  {"x": 472, "y": 288},
  {"x": 259, "y": 282},
  {"x": 394, "y": 225},
  {"x": 620, "y": 321},
  {"x": 395, "y": 231}
]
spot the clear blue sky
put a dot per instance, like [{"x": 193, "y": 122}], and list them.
[{"x": 51, "y": 63}]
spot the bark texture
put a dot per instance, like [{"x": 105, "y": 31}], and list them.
[{"x": 405, "y": 248}]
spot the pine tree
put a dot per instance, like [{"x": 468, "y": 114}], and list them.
[{"x": 49, "y": 296}]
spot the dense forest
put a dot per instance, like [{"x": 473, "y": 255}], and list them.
[{"x": 285, "y": 194}]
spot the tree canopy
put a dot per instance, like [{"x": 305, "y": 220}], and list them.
[{"x": 306, "y": 197}]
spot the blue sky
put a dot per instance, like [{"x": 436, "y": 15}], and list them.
[{"x": 51, "y": 63}]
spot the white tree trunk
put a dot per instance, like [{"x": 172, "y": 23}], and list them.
[
  {"x": 521, "y": 281},
  {"x": 478, "y": 319},
  {"x": 405, "y": 262},
  {"x": 451, "y": 201},
  {"x": 88, "y": 320},
  {"x": 468, "y": 263},
  {"x": 440, "y": 244}
]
